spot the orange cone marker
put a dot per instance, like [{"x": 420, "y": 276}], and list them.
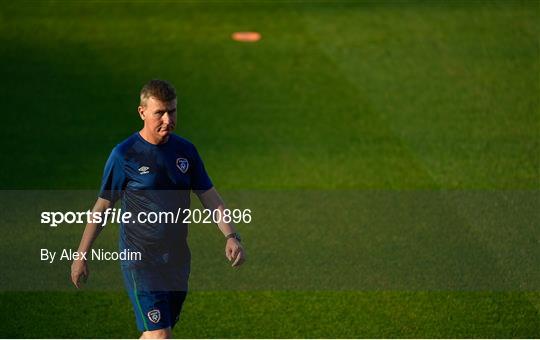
[{"x": 246, "y": 36}]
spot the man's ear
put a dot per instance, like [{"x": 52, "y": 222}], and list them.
[{"x": 140, "y": 109}]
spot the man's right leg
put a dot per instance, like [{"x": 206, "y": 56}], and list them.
[
  {"x": 164, "y": 333},
  {"x": 152, "y": 308}
]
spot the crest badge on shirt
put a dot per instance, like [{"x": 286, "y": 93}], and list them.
[{"x": 182, "y": 164}]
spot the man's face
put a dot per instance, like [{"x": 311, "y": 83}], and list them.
[{"x": 159, "y": 117}]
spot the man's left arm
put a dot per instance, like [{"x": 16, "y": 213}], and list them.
[{"x": 234, "y": 251}]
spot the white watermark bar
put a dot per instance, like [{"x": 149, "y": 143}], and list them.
[
  {"x": 94, "y": 255},
  {"x": 303, "y": 240},
  {"x": 113, "y": 215}
]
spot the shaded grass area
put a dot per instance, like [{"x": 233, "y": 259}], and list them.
[
  {"x": 460, "y": 93},
  {"x": 283, "y": 314},
  {"x": 334, "y": 96}
]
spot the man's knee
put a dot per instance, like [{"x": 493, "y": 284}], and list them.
[{"x": 164, "y": 333}]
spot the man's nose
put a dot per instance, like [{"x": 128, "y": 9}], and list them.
[{"x": 166, "y": 118}]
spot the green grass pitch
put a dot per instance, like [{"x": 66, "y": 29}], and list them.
[{"x": 352, "y": 96}]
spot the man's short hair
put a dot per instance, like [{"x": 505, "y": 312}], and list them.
[{"x": 159, "y": 89}]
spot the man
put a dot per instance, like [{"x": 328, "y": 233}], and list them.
[{"x": 155, "y": 171}]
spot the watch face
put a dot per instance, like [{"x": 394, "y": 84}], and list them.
[{"x": 235, "y": 236}]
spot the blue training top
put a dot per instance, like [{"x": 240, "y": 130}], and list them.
[{"x": 154, "y": 178}]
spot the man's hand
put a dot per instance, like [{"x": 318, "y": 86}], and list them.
[
  {"x": 79, "y": 272},
  {"x": 234, "y": 252},
  {"x": 233, "y": 249},
  {"x": 79, "y": 268}
]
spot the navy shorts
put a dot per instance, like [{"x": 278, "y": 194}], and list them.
[{"x": 155, "y": 304}]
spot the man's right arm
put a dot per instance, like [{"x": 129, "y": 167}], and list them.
[{"x": 79, "y": 268}]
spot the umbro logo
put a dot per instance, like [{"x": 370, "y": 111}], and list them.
[{"x": 143, "y": 170}]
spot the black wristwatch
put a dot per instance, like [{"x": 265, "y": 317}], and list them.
[{"x": 234, "y": 235}]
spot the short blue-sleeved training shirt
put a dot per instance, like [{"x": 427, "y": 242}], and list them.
[{"x": 154, "y": 178}]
